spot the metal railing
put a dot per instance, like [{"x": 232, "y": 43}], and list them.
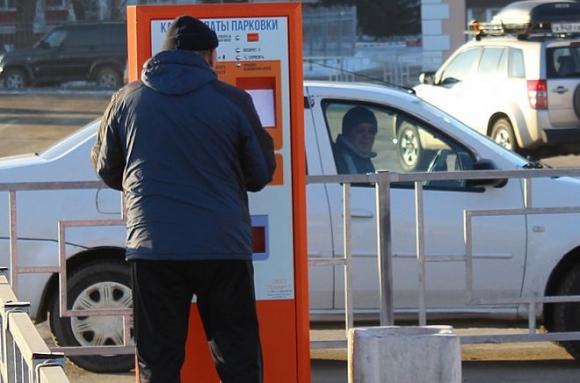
[
  {"x": 383, "y": 181},
  {"x": 24, "y": 356},
  {"x": 16, "y": 270}
]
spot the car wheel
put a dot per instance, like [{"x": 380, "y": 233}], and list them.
[
  {"x": 566, "y": 316},
  {"x": 15, "y": 79},
  {"x": 502, "y": 132},
  {"x": 104, "y": 284},
  {"x": 108, "y": 77},
  {"x": 412, "y": 157},
  {"x": 577, "y": 101}
]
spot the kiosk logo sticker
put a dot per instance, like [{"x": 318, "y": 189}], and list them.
[{"x": 253, "y": 37}]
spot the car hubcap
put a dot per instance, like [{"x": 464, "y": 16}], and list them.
[
  {"x": 409, "y": 147},
  {"x": 101, "y": 330},
  {"x": 503, "y": 138},
  {"x": 14, "y": 81},
  {"x": 108, "y": 80}
]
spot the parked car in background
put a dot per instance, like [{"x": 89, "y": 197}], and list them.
[
  {"x": 79, "y": 52},
  {"x": 514, "y": 256},
  {"x": 518, "y": 80}
]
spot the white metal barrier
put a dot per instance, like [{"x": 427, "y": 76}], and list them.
[
  {"x": 383, "y": 181},
  {"x": 60, "y": 269},
  {"x": 24, "y": 356}
]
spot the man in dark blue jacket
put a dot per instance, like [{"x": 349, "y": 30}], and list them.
[{"x": 185, "y": 148}]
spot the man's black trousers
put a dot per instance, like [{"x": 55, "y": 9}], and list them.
[{"x": 162, "y": 295}]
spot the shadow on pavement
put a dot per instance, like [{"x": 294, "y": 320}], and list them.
[{"x": 549, "y": 371}]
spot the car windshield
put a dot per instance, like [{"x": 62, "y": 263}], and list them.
[{"x": 72, "y": 141}]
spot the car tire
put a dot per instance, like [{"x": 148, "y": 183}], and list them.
[
  {"x": 577, "y": 101},
  {"x": 15, "y": 79},
  {"x": 101, "y": 284},
  {"x": 108, "y": 77},
  {"x": 502, "y": 133},
  {"x": 566, "y": 316},
  {"x": 412, "y": 156}
]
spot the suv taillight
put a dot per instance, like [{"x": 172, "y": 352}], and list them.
[{"x": 538, "y": 94}]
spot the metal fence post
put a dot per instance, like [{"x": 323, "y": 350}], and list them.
[
  {"x": 383, "y": 194},
  {"x": 420, "y": 246},
  {"x": 13, "y": 241},
  {"x": 348, "y": 309}
]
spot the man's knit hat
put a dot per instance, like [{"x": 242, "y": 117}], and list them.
[
  {"x": 189, "y": 33},
  {"x": 356, "y": 116}
]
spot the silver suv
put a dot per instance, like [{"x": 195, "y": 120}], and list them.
[{"x": 518, "y": 80}]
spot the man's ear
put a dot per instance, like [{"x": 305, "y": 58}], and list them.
[{"x": 212, "y": 59}]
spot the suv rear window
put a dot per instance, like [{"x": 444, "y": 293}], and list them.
[{"x": 564, "y": 62}]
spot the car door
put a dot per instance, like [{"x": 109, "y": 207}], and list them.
[
  {"x": 563, "y": 67},
  {"x": 454, "y": 84},
  {"x": 499, "y": 243},
  {"x": 320, "y": 244},
  {"x": 490, "y": 88},
  {"x": 47, "y": 58},
  {"x": 77, "y": 53}
]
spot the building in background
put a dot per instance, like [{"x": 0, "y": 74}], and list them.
[
  {"x": 343, "y": 39},
  {"x": 444, "y": 22}
]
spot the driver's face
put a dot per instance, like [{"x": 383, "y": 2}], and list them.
[{"x": 362, "y": 137}]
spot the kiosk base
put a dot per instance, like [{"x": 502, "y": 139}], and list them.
[{"x": 279, "y": 351}]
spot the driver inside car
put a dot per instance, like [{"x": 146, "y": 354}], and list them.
[{"x": 353, "y": 147}]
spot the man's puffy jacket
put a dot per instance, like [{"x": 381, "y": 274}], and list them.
[{"x": 184, "y": 147}]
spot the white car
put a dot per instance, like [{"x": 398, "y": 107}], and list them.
[
  {"x": 513, "y": 255},
  {"x": 518, "y": 81}
]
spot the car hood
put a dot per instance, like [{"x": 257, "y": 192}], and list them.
[
  {"x": 20, "y": 161},
  {"x": 22, "y": 54}
]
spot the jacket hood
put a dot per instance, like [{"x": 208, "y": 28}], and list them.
[{"x": 176, "y": 72}]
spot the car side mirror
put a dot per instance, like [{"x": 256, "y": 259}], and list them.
[
  {"x": 485, "y": 164},
  {"x": 427, "y": 78}
]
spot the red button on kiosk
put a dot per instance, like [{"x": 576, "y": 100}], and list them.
[{"x": 260, "y": 50}]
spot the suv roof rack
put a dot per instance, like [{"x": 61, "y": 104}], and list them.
[{"x": 532, "y": 19}]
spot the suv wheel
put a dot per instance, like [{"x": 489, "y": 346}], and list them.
[
  {"x": 577, "y": 101},
  {"x": 412, "y": 156},
  {"x": 15, "y": 79},
  {"x": 108, "y": 77},
  {"x": 97, "y": 285},
  {"x": 503, "y": 133}
]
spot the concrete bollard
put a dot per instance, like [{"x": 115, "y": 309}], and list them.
[{"x": 393, "y": 354}]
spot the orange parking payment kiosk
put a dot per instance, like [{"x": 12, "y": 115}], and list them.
[{"x": 260, "y": 50}]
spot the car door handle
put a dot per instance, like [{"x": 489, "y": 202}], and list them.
[
  {"x": 361, "y": 213},
  {"x": 560, "y": 90}
]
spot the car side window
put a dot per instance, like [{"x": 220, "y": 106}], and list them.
[
  {"x": 81, "y": 38},
  {"x": 516, "y": 68},
  {"x": 368, "y": 137},
  {"x": 492, "y": 61},
  {"x": 460, "y": 67},
  {"x": 563, "y": 62},
  {"x": 55, "y": 38}
]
